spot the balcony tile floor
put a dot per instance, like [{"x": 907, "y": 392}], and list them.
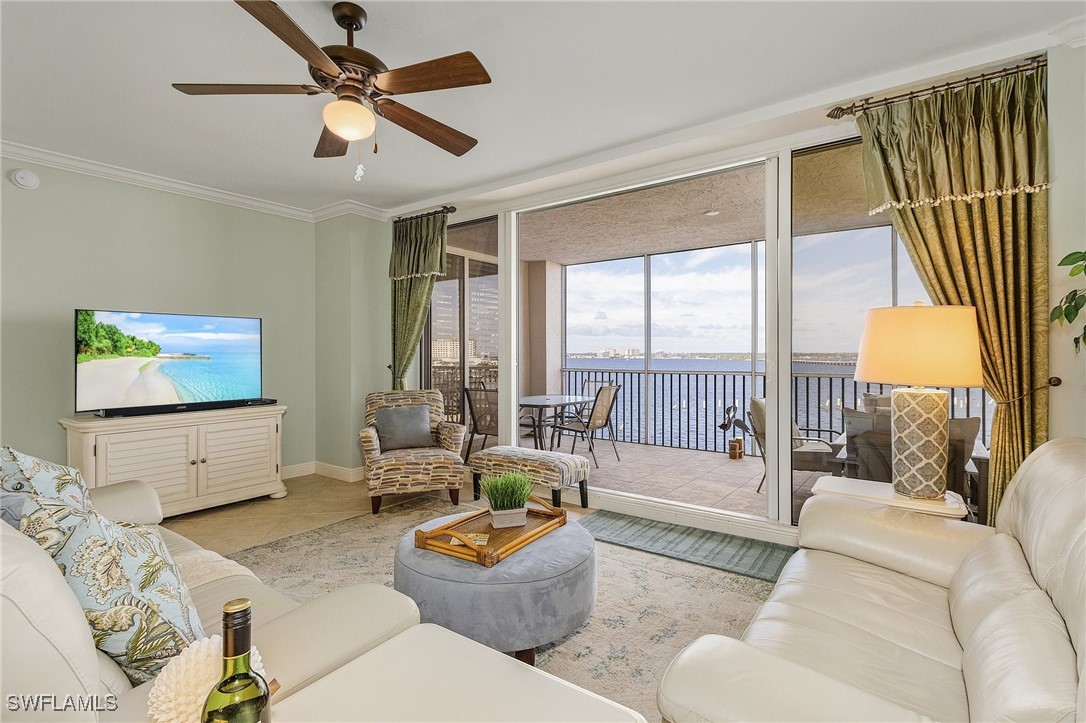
[{"x": 706, "y": 479}]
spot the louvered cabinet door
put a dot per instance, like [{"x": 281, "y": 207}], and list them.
[
  {"x": 165, "y": 458},
  {"x": 239, "y": 454}
]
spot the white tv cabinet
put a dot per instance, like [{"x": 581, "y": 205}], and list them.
[{"x": 193, "y": 460}]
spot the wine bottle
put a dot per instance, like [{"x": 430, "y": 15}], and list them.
[{"x": 242, "y": 694}]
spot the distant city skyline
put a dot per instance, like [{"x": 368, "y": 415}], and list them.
[{"x": 445, "y": 319}]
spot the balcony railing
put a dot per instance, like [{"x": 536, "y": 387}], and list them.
[
  {"x": 685, "y": 408},
  {"x": 449, "y": 380}
]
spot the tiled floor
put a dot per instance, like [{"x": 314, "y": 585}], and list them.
[
  {"x": 311, "y": 502},
  {"x": 707, "y": 479}
]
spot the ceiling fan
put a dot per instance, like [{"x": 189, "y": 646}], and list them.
[{"x": 361, "y": 82}]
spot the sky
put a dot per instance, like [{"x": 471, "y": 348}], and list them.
[
  {"x": 701, "y": 300},
  {"x": 193, "y": 334}
]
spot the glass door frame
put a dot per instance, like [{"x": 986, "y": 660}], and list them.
[{"x": 777, "y": 155}]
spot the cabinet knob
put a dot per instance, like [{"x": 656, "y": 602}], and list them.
[
  {"x": 192, "y": 461},
  {"x": 203, "y": 460}
]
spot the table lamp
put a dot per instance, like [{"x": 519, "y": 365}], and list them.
[{"x": 920, "y": 346}]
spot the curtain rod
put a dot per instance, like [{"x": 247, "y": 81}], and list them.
[
  {"x": 443, "y": 209},
  {"x": 862, "y": 105}
]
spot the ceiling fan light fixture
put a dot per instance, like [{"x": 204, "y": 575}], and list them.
[{"x": 350, "y": 120}]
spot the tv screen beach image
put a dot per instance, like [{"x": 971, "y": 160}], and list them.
[{"x": 126, "y": 359}]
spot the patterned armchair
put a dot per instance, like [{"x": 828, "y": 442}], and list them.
[{"x": 416, "y": 469}]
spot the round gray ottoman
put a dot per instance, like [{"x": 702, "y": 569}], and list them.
[{"x": 535, "y": 596}]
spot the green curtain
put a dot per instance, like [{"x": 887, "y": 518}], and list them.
[
  {"x": 964, "y": 174},
  {"x": 418, "y": 258}
]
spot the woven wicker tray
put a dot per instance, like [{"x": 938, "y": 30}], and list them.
[{"x": 503, "y": 542}]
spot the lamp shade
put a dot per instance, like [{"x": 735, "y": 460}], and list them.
[
  {"x": 934, "y": 346},
  {"x": 349, "y": 119}
]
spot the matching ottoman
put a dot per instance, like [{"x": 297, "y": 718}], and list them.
[
  {"x": 555, "y": 469},
  {"x": 535, "y": 596}
]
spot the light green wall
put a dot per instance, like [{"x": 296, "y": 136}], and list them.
[
  {"x": 79, "y": 241},
  {"x": 353, "y": 344},
  {"x": 1067, "y": 227}
]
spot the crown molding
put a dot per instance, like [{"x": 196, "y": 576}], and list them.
[
  {"x": 30, "y": 154},
  {"x": 40, "y": 156},
  {"x": 353, "y": 207},
  {"x": 1071, "y": 32}
]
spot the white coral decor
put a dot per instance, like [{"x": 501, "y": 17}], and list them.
[{"x": 182, "y": 686}]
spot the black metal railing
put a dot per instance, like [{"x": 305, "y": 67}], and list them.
[
  {"x": 685, "y": 408},
  {"x": 450, "y": 381}
]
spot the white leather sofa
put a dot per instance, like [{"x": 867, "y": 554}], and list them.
[
  {"x": 320, "y": 651},
  {"x": 47, "y": 647},
  {"x": 886, "y": 614}
]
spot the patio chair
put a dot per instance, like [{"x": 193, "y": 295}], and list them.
[
  {"x": 598, "y": 418},
  {"x": 482, "y": 415},
  {"x": 589, "y": 388},
  {"x": 808, "y": 453}
]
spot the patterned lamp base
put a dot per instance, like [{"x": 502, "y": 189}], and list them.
[{"x": 919, "y": 438}]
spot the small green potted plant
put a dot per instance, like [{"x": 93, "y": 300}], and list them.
[{"x": 508, "y": 497}]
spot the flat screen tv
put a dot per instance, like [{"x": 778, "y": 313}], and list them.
[{"x": 130, "y": 363}]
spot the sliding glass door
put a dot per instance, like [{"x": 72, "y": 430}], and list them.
[{"x": 659, "y": 291}]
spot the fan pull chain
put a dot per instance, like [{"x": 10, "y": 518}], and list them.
[{"x": 375, "y": 140}]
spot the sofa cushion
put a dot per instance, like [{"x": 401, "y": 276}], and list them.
[
  {"x": 1019, "y": 664},
  {"x": 123, "y": 576},
  {"x": 46, "y": 647},
  {"x": 883, "y": 632},
  {"x": 404, "y": 427},
  {"x": 993, "y": 573}
]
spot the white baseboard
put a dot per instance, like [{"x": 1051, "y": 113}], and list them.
[
  {"x": 298, "y": 470},
  {"x": 678, "y": 513},
  {"x": 343, "y": 474}
]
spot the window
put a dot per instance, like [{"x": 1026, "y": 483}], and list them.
[{"x": 460, "y": 346}]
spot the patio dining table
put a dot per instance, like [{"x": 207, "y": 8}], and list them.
[{"x": 540, "y": 403}]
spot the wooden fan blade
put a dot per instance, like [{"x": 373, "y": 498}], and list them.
[
  {"x": 274, "y": 19},
  {"x": 425, "y": 127},
  {"x": 452, "y": 71},
  {"x": 330, "y": 145},
  {"x": 246, "y": 89}
]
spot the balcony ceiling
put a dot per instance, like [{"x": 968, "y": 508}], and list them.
[
  {"x": 570, "y": 80},
  {"x": 828, "y": 195}
]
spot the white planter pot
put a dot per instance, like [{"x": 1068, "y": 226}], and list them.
[{"x": 509, "y": 518}]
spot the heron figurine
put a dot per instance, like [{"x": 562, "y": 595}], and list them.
[{"x": 733, "y": 422}]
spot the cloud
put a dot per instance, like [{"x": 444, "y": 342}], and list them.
[{"x": 600, "y": 315}]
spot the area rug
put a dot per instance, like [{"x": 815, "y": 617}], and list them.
[
  {"x": 648, "y": 607},
  {"x": 754, "y": 558}
]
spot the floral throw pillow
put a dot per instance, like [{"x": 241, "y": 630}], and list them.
[
  {"x": 138, "y": 608},
  {"x": 49, "y": 479},
  {"x": 12, "y": 478}
]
